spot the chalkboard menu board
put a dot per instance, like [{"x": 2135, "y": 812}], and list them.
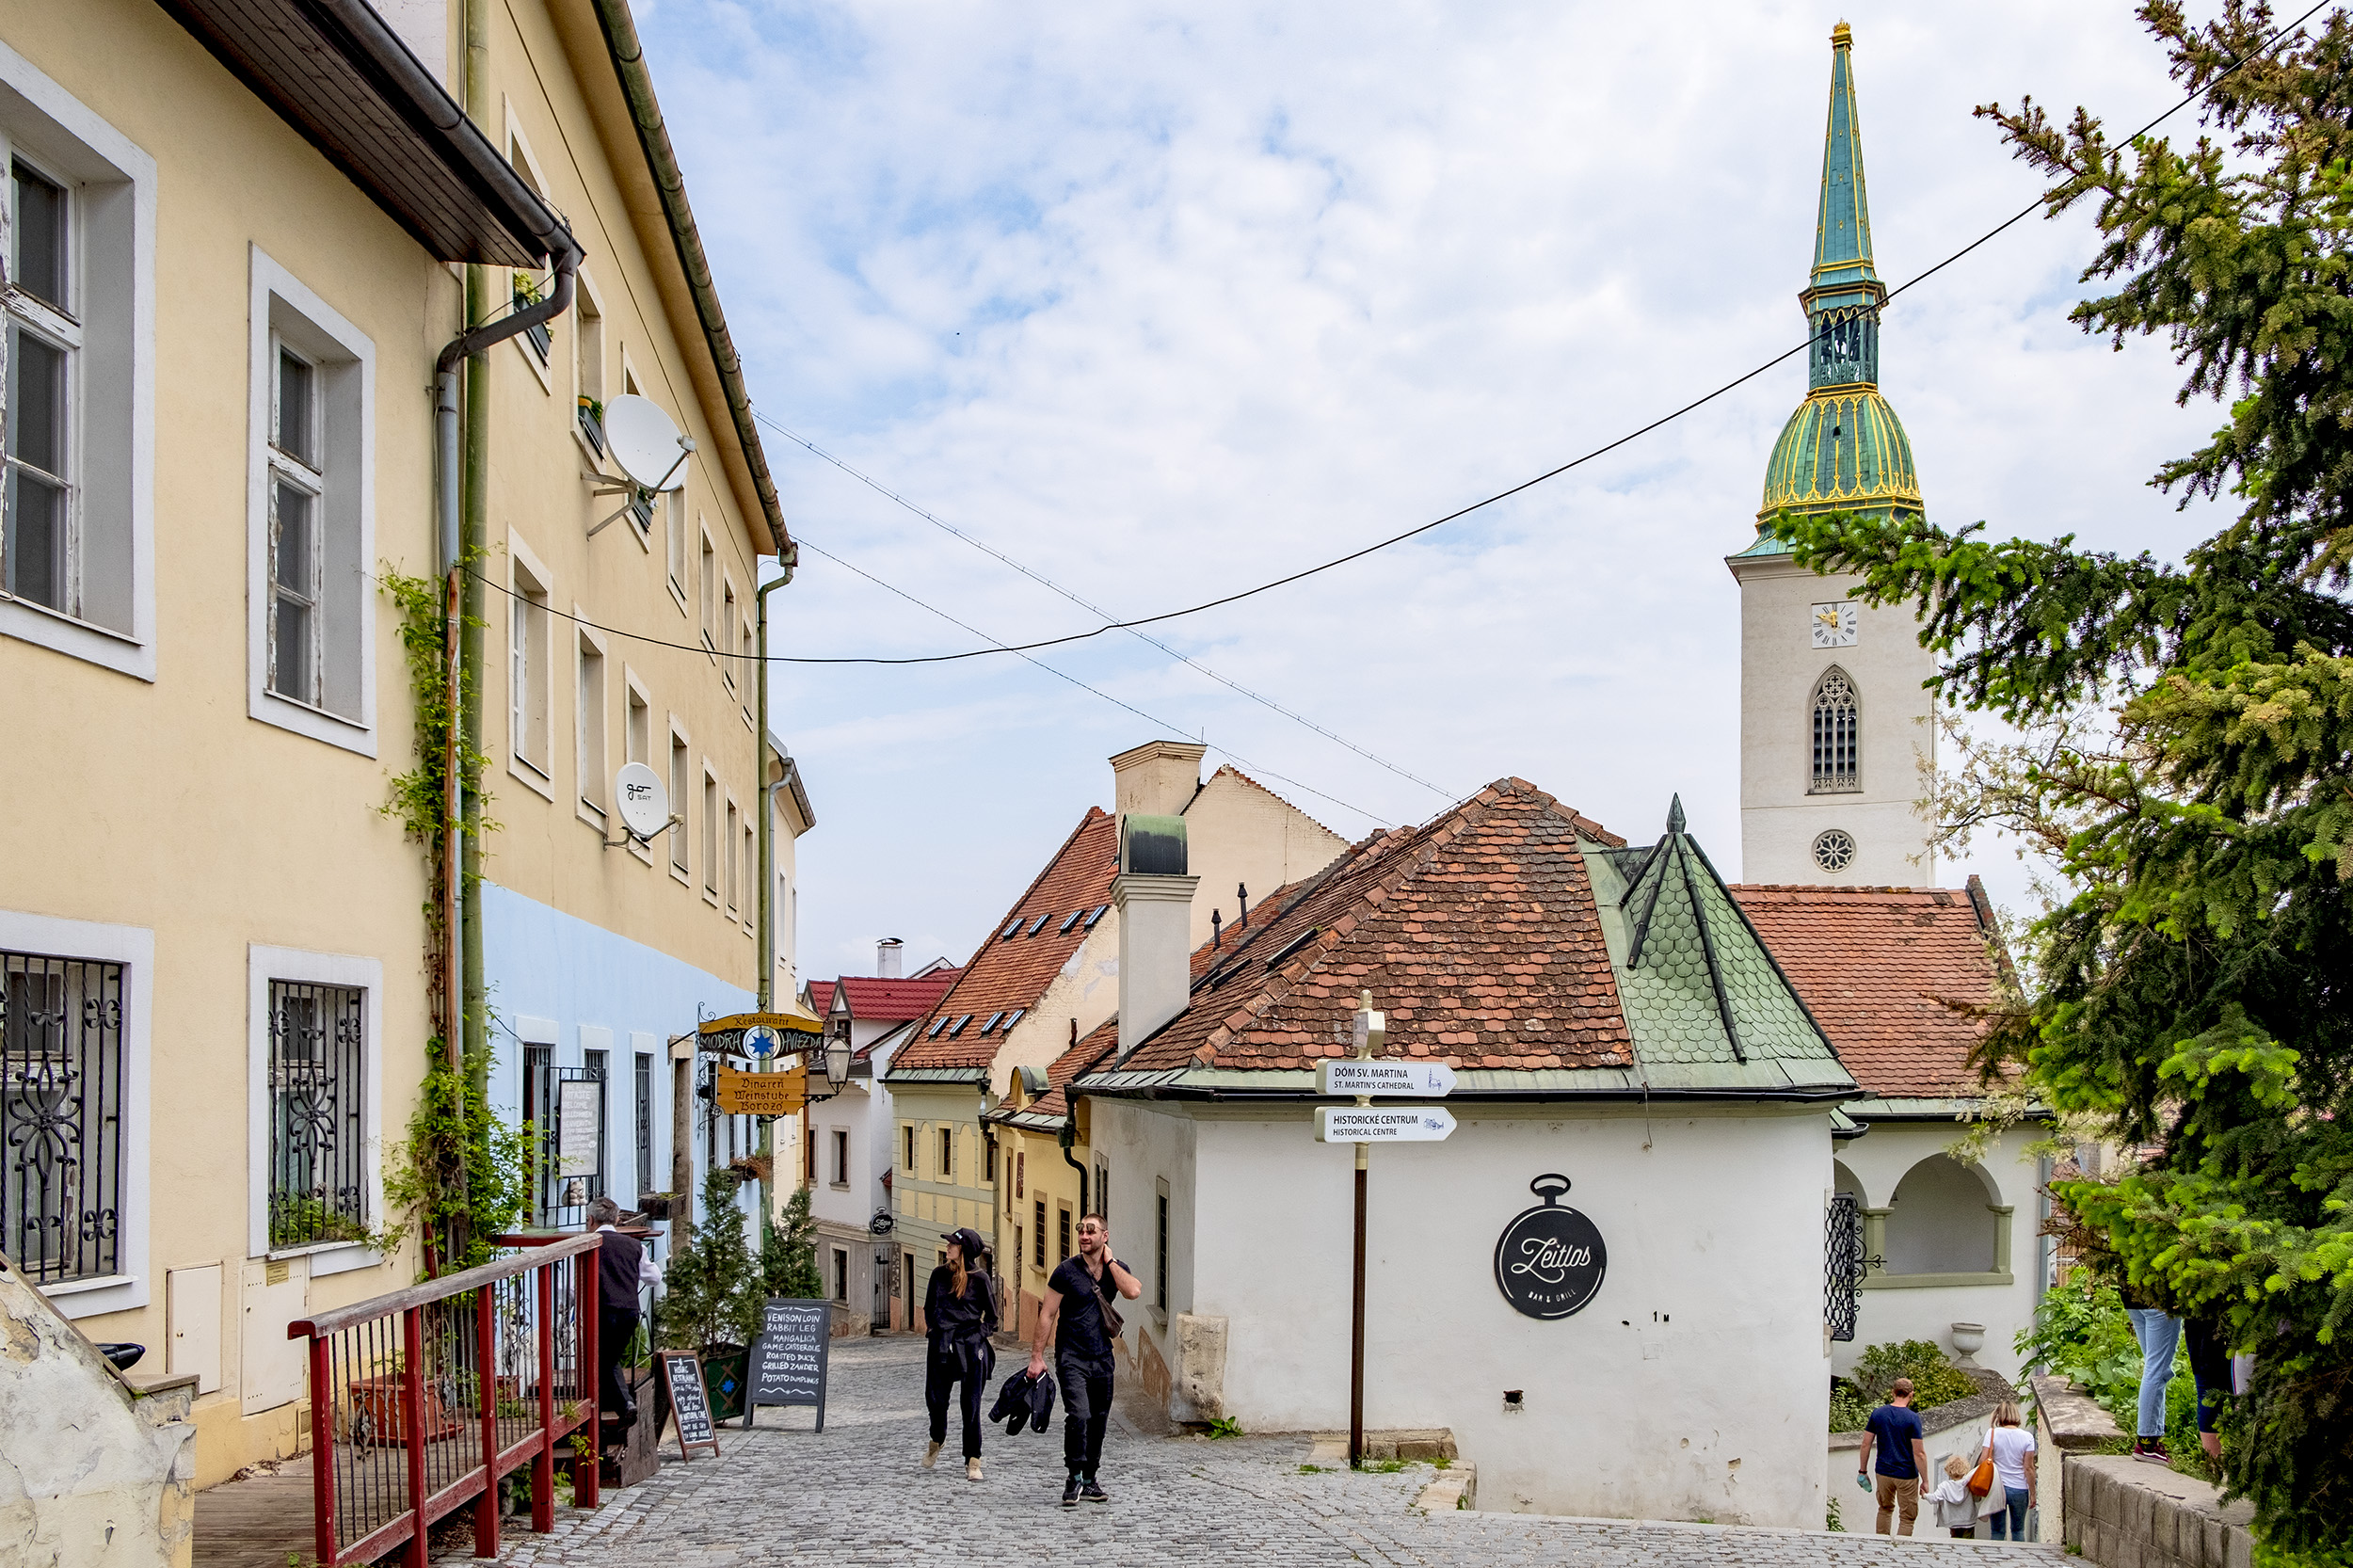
[
  {"x": 690, "y": 1406},
  {"x": 789, "y": 1359}
]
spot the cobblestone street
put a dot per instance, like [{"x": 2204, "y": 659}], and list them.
[{"x": 856, "y": 1495}]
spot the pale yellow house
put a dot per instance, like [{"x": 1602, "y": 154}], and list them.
[
  {"x": 1043, "y": 977},
  {"x": 237, "y": 237}
]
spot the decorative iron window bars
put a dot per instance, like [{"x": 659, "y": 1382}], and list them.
[
  {"x": 1837, "y": 734},
  {"x": 1843, "y": 1265},
  {"x": 318, "y": 1137},
  {"x": 564, "y": 1193},
  {"x": 60, "y": 1116}
]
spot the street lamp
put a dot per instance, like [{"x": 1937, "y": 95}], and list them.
[{"x": 836, "y": 1061}]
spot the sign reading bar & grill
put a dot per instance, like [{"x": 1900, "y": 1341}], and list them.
[
  {"x": 1550, "y": 1258},
  {"x": 1376, "y": 1124}
]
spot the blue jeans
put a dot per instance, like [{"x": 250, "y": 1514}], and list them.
[
  {"x": 2158, "y": 1335},
  {"x": 2015, "y": 1497}
]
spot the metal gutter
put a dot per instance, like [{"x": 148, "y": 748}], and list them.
[{"x": 653, "y": 137}]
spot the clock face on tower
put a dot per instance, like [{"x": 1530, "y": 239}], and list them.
[{"x": 1833, "y": 625}]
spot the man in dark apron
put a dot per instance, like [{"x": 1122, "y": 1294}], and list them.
[{"x": 622, "y": 1269}]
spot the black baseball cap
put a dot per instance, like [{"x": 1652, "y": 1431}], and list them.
[{"x": 970, "y": 1239}]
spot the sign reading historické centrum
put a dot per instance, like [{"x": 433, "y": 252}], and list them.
[{"x": 1549, "y": 1259}]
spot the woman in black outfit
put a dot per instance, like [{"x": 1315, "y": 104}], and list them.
[{"x": 959, "y": 1315}]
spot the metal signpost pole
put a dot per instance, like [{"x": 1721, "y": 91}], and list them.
[{"x": 1370, "y": 1033}]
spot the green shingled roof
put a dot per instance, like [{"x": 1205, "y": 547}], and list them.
[{"x": 1698, "y": 988}]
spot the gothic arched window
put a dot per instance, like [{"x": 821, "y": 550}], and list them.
[{"x": 1837, "y": 734}]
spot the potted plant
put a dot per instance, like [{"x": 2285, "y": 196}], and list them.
[{"x": 712, "y": 1302}]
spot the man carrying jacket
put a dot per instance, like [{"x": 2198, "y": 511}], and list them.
[{"x": 1074, "y": 1318}]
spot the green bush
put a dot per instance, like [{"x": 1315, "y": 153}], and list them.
[
  {"x": 711, "y": 1293},
  {"x": 1934, "y": 1379},
  {"x": 787, "y": 1253}
]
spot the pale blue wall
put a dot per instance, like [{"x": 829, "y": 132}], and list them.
[{"x": 541, "y": 962}]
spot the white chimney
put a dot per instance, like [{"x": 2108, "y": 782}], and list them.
[
  {"x": 887, "y": 957},
  {"x": 1154, "y": 898},
  {"x": 1158, "y": 778}
]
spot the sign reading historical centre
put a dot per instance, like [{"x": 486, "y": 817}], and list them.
[
  {"x": 1377, "y": 1124},
  {"x": 1550, "y": 1258}
]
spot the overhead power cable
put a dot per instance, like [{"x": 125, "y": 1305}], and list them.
[
  {"x": 1048, "y": 583},
  {"x": 1601, "y": 451},
  {"x": 963, "y": 626}
]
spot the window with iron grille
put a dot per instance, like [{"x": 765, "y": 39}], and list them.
[
  {"x": 1038, "y": 1235},
  {"x": 60, "y": 1116},
  {"x": 1837, "y": 734},
  {"x": 318, "y": 1131},
  {"x": 1159, "y": 1274},
  {"x": 1843, "y": 1265},
  {"x": 643, "y": 1087},
  {"x": 1062, "y": 1234}
]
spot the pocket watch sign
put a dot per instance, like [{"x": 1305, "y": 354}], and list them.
[{"x": 1549, "y": 1259}]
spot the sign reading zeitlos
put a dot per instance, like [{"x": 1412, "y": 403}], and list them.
[{"x": 1550, "y": 1258}]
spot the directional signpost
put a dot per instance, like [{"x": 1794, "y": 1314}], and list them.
[{"x": 1364, "y": 1125}]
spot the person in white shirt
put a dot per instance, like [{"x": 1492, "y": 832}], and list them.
[{"x": 2012, "y": 1448}]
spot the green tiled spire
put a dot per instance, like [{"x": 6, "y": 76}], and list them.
[
  {"x": 1844, "y": 449},
  {"x": 1697, "y": 985},
  {"x": 1842, "y": 235}
]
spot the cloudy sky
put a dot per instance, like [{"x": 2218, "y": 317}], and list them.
[{"x": 1164, "y": 302}]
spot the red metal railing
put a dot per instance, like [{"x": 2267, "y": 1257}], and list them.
[{"x": 424, "y": 1400}]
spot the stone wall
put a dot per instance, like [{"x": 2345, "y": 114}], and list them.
[
  {"x": 93, "y": 1475},
  {"x": 2124, "y": 1512}
]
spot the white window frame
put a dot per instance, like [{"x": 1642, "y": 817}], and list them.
[
  {"x": 284, "y": 313},
  {"x": 637, "y": 740},
  {"x": 711, "y": 808},
  {"x": 674, "y": 512},
  {"x": 592, "y": 711},
  {"x": 749, "y": 846},
  {"x": 134, "y": 947},
  {"x": 112, "y": 185},
  {"x": 706, "y": 585},
  {"x": 681, "y": 856},
  {"x": 588, "y": 319},
  {"x": 365, "y": 975},
  {"x": 731, "y": 873},
  {"x": 526, "y": 163},
  {"x": 731, "y": 610},
  {"x": 524, "y": 638}
]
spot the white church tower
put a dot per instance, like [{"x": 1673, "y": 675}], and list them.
[{"x": 1834, "y": 725}]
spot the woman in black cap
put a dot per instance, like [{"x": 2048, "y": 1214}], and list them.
[{"x": 959, "y": 1315}]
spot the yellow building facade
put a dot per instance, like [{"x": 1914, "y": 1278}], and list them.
[{"x": 214, "y": 976}]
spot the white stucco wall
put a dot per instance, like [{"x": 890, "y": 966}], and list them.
[
  {"x": 1778, "y": 668},
  {"x": 1878, "y": 1161},
  {"x": 1692, "y": 1386}
]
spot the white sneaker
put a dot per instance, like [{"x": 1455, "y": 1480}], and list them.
[
  {"x": 972, "y": 1469},
  {"x": 931, "y": 1454}
]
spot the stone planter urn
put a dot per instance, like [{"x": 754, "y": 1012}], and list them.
[{"x": 1968, "y": 1338}]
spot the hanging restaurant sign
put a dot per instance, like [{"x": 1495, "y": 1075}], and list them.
[
  {"x": 763, "y": 1094},
  {"x": 1549, "y": 1259},
  {"x": 727, "y": 1037}
]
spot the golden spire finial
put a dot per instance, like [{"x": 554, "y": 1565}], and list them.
[{"x": 1842, "y": 37}]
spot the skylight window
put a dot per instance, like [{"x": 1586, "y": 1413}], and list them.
[
  {"x": 959, "y": 1028},
  {"x": 1014, "y": 1017},
  {"x": 1011, "y": 926},
  {"x": 1039, "y": 924},
  {"x": 1068, "y": 920},
  {"x": 937, "y": 1024},
  {"x": 992, "y": 1022},
  {"x": 1095, "y": 914}
]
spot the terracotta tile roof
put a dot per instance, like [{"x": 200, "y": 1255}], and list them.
[
  {"x": 1009, "y": 972},
  {"x": 1477, "y": 932},
  {"x": 876, "y": 1001},
  {"x": 1894, "y": 975}
]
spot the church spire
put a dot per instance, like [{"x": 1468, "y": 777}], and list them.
[
  {"x": 1843, "y": 292},
  {"x": 1842, "y": 236}
]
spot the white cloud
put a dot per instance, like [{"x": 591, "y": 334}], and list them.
[{"x": 1165, "y": 302}]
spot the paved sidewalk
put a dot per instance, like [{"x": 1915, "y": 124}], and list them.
[{"x": 855, "y": 1496}]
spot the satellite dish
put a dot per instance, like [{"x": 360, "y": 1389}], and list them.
[
  {"x": 644, "y": 441},
  {"x": 643, "y": 799}
]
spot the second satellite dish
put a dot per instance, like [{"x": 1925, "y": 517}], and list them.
[
  {"x": 643, "y": 799},
  {"x": 645, "y": 443}
]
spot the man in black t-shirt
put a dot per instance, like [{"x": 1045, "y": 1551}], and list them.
[{"x": 1072, "y": 1319}]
